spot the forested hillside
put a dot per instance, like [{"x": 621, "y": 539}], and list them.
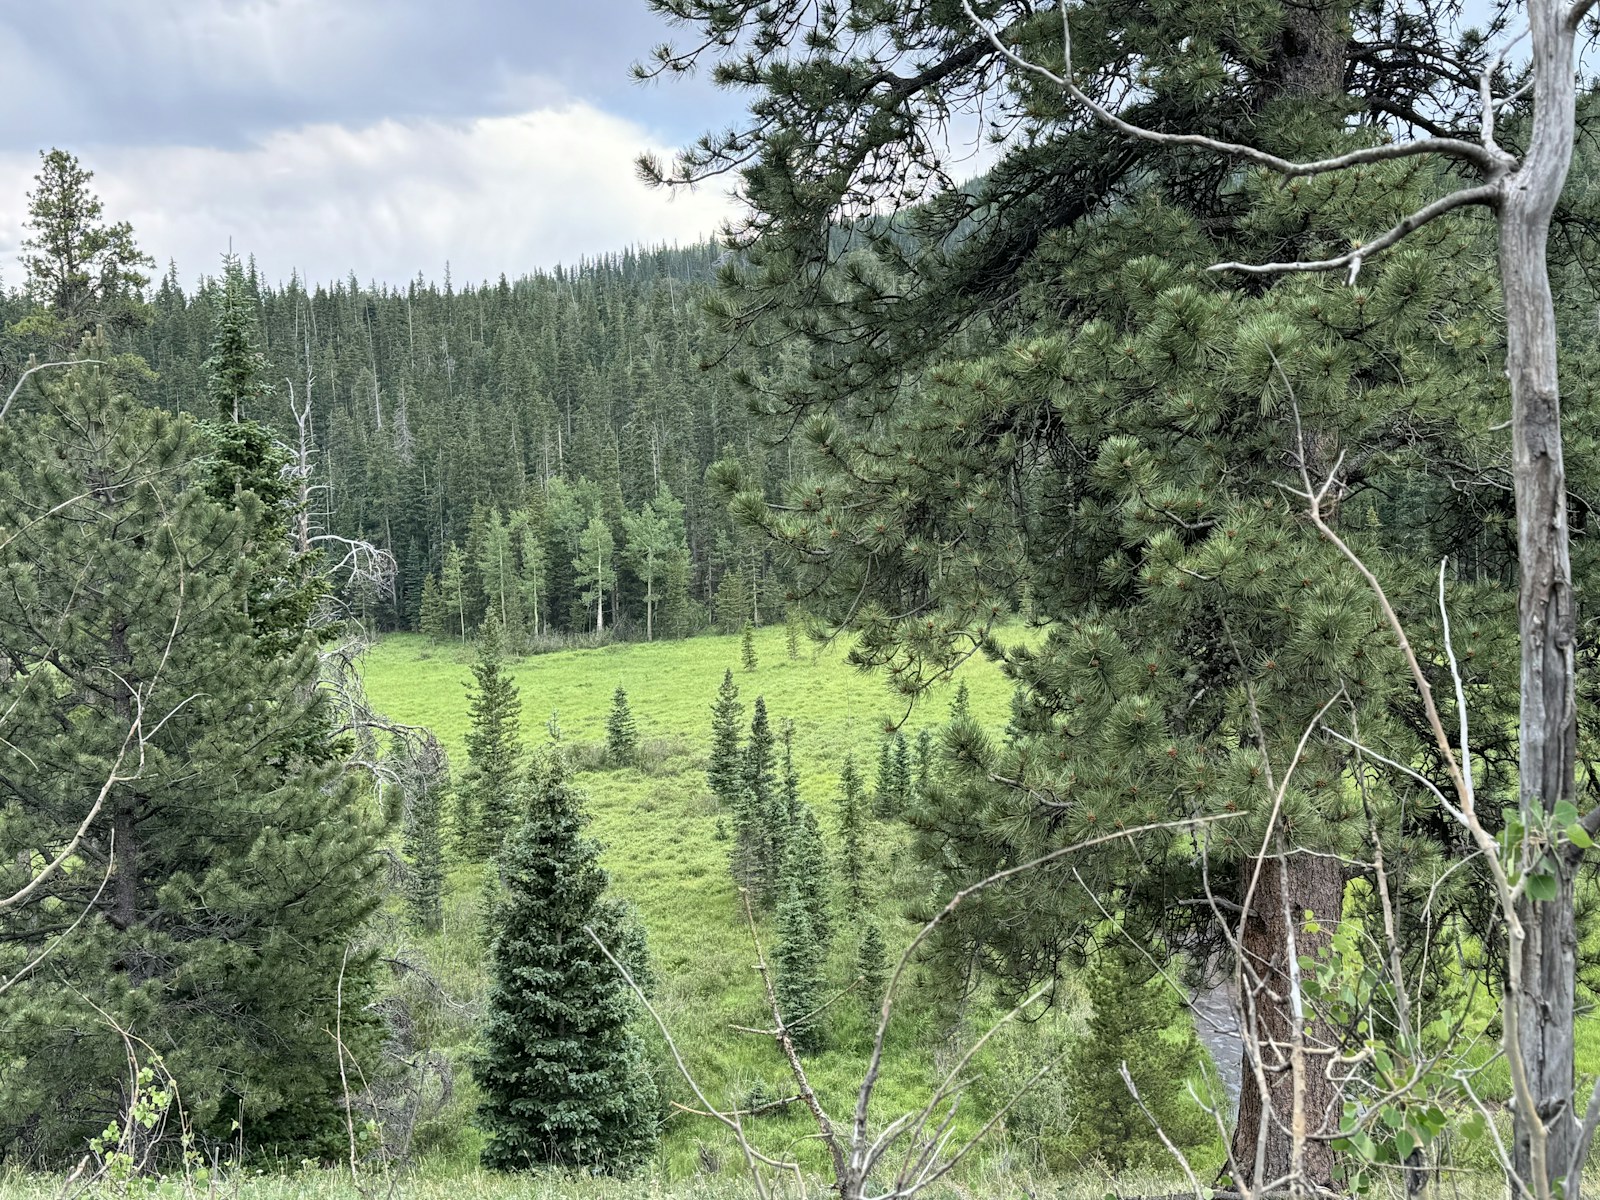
[{"x": 527, "y": 424}]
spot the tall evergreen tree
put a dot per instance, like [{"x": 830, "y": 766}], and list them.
[
  {"x": 224, "y": 879},
  {"x": 487, "y": 795},
  {"x": 1131, "y": 426},
  {"x": 423, "y": 847},
  {"x": 852, "y": 829},
  {"x": 806, "y": 867},
  {"x": 561, "y": 1074},
  {"x": 872, "y": 965},
  {"x": 431, "y": 618},
  {"x": 798, "y": 979},
  {"x": 725, "y": 768},
  {"x": 761, "y": 819},
  {"x": 747, "y": 647},
  {"x": 247, "y": 460},
  {"x": 86, "y": 273}
]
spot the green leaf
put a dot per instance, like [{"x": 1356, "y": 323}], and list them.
[{"x": 1542, "y": 886}]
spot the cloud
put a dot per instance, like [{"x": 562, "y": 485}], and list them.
[
  {"x": 389, "y": 198},
  {"x": 227, "y": 72}
]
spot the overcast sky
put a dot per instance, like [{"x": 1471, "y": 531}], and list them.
[{"x": 381, "y": 136}]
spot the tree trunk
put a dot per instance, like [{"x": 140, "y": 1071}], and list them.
[
  {"x": 1547, "y": 722},
  {"x": 1286, "y": 1100}
]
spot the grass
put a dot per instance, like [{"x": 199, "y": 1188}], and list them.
[{"x": 659, "y": 829}]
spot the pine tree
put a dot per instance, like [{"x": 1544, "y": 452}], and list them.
[
  {"x": 1145, "y": 1024},
  {"x": 622, "y": 735},
  {"x": 560, "y": 1073},
  {"x": 487, "y": 795},
  {"x": 245, "y": 853},
  {"x": 852, "y": 823},
  {"x": 725, "y": 768},
  {"x": 85, "y": 272},
  {"x": 1180, "y": 487},
  {"x": 872, "y": 965},
  {"x": 747, "y": 647},
  {"x": 791, "y": 634},
  {"x": 798, "y": 980},
  {"x": 423, "y": 847}
]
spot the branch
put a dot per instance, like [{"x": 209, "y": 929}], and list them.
[
  {"x": 6, "y": 407},
  {"x": 1487, "y": 194},
  {"x": 1456, "y": 148}
]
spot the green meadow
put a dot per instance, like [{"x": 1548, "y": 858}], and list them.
[{"x": 665, "y": 850}]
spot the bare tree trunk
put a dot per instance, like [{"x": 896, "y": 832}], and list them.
[
  {"x": 1548, "y": 724},
  {"x": 1286, "y": 1099}
]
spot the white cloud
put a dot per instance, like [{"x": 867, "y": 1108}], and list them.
[{"x": 389, "y": 199}]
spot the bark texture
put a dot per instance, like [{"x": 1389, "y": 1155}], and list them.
[
  {"x": 1287, "y": 1103},
  {"x": 1548, "y": 725}
]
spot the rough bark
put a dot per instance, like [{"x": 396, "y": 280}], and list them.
[
  {"x": 1287, "y": 1101},
  {"x": 1548, "y": 725}
]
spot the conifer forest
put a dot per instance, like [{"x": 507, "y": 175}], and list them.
[{"x": 1045, "y": 655}]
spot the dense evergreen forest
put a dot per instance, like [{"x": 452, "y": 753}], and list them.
[{"x": 537, "y": 446}]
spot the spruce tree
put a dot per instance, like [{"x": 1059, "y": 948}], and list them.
[
  {"x": 622, "y": 735},
  {"x": 487, "y": 795},
  {"x": 423, "y": 847},
  {"x": 852, "y": 828},
  {"x": 900, "y": 777},
  {"x": 760, "y": 820},
  {"x": 747, "y": 647},
  {"x": 806, "y": 867},
  {"x": 224, "y": 882},
  {"x": 1144, "y": 1023},
  {"x": 560, "y": 1073},
  {"x": 247, "y": 461},
  {"x": 798, "y": 979},
  {"x": 725, "y": 768},
  {"x": 924, "y": 774},
  {"x": 431, "y": 617},
  {"x": 872, "y": 965},
  {"x": 884, "y": 797},
  {"x": 791, "y": 634}
]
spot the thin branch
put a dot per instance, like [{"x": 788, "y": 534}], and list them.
[
  {"x": 1487, "y": 194},
  {"x": 6, "y": 407}
]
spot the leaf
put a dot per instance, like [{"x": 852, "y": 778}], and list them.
[
  {"x": 1404, "y": 1144},
  {"x": 1579, "y": 836},
  {"x": 1542, "y": 886}
]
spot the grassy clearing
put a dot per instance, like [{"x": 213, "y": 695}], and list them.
[{"x": 659, "y": 829}]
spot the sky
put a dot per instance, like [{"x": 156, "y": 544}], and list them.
[{"x": 384, "y": 137}]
